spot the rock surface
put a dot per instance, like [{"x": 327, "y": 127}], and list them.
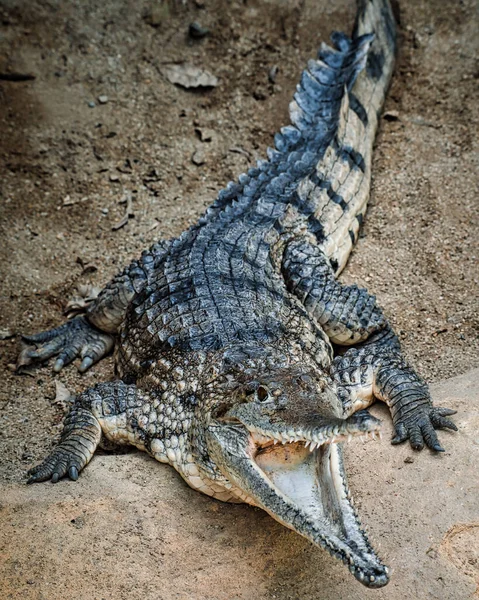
[{"x": 131, "y": 529}]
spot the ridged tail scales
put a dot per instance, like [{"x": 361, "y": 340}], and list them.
[
  {"x": 337, "y": 192},
  {"x": 321, "y": 164}
]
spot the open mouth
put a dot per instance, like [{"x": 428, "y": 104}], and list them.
[{"x": 299, "y": 479}]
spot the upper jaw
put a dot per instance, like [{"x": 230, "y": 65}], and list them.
[
  {"x": 301, "y": 483},
  {"x": 333, "y": 431}
]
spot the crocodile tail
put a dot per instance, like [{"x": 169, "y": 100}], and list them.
[
  {"x": 320, "y": 166},
  {"x": 347, "y": 161}
]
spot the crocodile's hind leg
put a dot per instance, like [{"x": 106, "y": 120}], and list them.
[
  {"x": 347, "y": 314},
  {"x": 375, "y": 368},
  {"x": 91, "y": 337},
  {"x": 112, "y": 409}
]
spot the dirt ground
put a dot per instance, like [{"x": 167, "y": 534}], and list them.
[{"x": 100, "y": 123}]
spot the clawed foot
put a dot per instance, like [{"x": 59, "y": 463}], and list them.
[
  {"x": 80, "y": 438},
  {"x": 60, "y": 463},
  {"x": 419, "y": 427},
  {"x": 74, "y": 338}
]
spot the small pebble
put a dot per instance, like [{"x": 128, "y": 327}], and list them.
[
  {"x": 409, "y": 459},
  {"x": 114, "y": 177},
  {"x": 156, "y": 15},
  {"x": 206, "y": 135},
  {"x": 273, "y": 73},
  {"x": 198, "y": 158},
  {"x": 196, "y": 31},
  {"x": 102, "y": 99},
  {"x": 91, "y": 104},
  {"x": 104, "y": 211},
  {"x": 391, "y": 115}
]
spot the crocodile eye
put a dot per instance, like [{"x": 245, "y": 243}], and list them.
[{"x": 262, "y": 393}]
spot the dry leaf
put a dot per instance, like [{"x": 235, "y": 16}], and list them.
[
  {"x": 6, "y": 334},
  {"x": 24, "y": 360},
  {"x": 206, "y": 135},
  {"x": 86, "y": 294},
  {"x": 128, "y": 213},
  {"x": 89, "y": 268},
  {"x": 189, "y": 76},
  {"x": 238, "y": 150},
  {"x": 68, "y": 201},
  {"x": 154, "y": 226},
  {"x": 63, "y": 397}
]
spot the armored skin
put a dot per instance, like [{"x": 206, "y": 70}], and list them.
[{"x": 241, "y": 360}]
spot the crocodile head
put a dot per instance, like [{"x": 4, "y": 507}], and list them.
[{"x": 277, "y": 438}]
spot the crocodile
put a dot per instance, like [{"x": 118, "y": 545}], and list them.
[{"x": 240, "y": 358}]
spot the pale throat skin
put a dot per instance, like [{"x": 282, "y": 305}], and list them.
[{"x": 241, "y": 360}]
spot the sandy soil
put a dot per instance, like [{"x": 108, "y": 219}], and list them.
[{"x": 68, "y": 167}]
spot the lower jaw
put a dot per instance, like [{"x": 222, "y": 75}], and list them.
[
  {"x": 314, "y": 487},
  {"x": 273, "y": 479}
]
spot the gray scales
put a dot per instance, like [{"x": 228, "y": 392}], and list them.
[{"x": 241, "y": 360}]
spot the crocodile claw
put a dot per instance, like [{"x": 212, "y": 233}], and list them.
[
  {"x": 56, "y": 466},
  {"x": 420, "y": 427},
  {"x": 80, "y": 438},
  {"x": 68, "y": 341}
]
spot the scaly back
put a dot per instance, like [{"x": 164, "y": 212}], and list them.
[{"x": 219, "y": 282}]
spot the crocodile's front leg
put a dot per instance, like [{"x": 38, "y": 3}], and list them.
[
  {"x": 375, "y": 367},
  {"x": 113, "y": 409},
  {"x": 91, "y": 337},
  {"x": 378, "y": 370}
]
